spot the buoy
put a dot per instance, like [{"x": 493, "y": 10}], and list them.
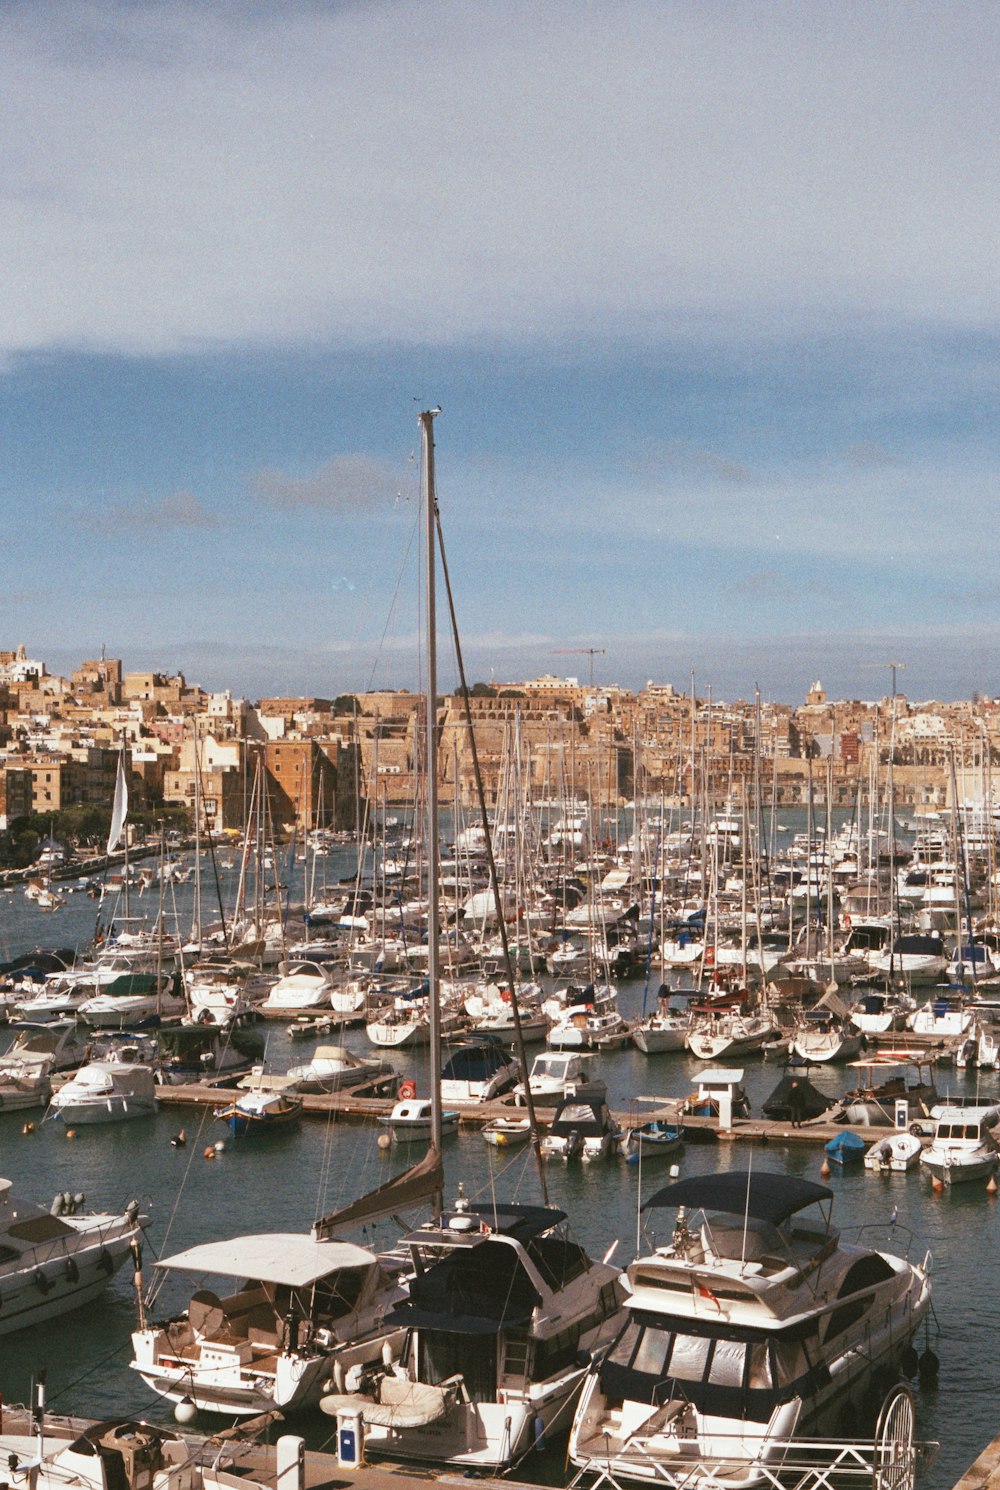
[
  {"x": 384, "y": 1141},
  {"x": 209, "y": 1153},
  {"x": 28, "y": 1128},
  {"x": 407, "y": 1090},
  {"x": 937, "y": 1184},
  {"x": 70, "y": 1132},
  {"x": 501, "y": 1140},
  {"x": 991, "y": 1185},
  {"x": 185, "y": 1411},
  {"x": 824, "y": 1170},
  {"x": 928, "y": 1366},
  {"x": 179, "y": 1139},
  {"x": 220, "y": 1147}
]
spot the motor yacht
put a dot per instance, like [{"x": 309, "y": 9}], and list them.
[
  {"x": 501, "y": 1304},
  {"x": 52, "y": 1261},
  {"x": 754, "y": 1324},
  {"x": 963, "y": 1149}
]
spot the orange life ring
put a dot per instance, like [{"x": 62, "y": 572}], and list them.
[
  {"x": 407, "y": 1089},
  {"x": 505, "y": 996}
]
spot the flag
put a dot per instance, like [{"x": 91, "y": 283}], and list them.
[
  {"x": 120, "y": 810},
  {"x": 704, "y": 1292}
]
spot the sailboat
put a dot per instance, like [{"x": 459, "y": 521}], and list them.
[{"x": 503, "y": 1306}]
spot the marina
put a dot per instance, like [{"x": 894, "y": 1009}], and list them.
[{"x": 334, "y": 1155}]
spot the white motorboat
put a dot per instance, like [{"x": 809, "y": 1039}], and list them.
[
  {"x": 589, "y": 1029},
  {"x": 581, "y": 1128},
  {"x": 270, "y": 1345},
  {"x": 306, "y": 985},
  {"x": 410, "y": 1120},
  {"x": 944, "y": 1015},
  {"x": 557, "y": 1074},
  {"x": 38, "y": 1051},
  {"x": 52, "y": 1261},
  {"x": 119, "y": 1085},
  {"x": 130, "y": 999},
  {"x": 478, "y": 1072},
  {"x": 963, "y": 1149},
  {"x": 333, "y": 1068},
  {"x": 501, "y": 1305},
  {"x": 895, "y": 1154},
  {"x": 751, "y": 1326},
  {"x": 914, "y": 958}
]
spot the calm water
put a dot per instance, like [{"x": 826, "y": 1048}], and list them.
[{"x": 284, "y": 1184}]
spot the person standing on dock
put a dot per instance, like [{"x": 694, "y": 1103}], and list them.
[{"x": 796, "y": 1103}]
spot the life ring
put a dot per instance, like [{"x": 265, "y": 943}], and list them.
[
  {"x": 407, "y": 1089},
  {"x": 846, "y": 919},
  {"x": 505, "y": 996}
]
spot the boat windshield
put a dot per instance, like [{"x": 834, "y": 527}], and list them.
[{"x": 723, "y": 1370}]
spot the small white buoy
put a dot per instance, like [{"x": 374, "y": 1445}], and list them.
[
  {"x": 220, "y": 1147},
  {"x": 675, "y": 1170},
  {"x": 384, "y": 1141},
  {"x": 185, "y": 1411}
]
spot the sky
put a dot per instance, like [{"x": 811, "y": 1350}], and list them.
[{"x": 706, "y": 293}]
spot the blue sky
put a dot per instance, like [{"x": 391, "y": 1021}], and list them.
[{"x": 707, "y": 293}]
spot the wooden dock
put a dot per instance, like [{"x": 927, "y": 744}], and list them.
[{"x": 360, "y": 1106}]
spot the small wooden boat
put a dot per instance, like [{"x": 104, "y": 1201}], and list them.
[
  {"x": 894, "y": 1154},
  {"x": 260, "y": 1111},
  {"x": 504, "y": 1132},
  {"x": 654, "y": 1139},
  {"x": 410, "y": 1121}
]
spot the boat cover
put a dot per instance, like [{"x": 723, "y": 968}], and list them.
[
  {"x": 271, "y": 1257},
  {"x": 763, "y": 1195},
  {"x": 477, "y": 1290}
]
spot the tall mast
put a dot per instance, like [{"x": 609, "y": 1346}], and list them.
[{"x": 430, "y": 736}]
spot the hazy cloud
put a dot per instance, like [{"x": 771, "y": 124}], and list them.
[
  {"x": 178, "y": 510},
  {"x": 869, "y": 453},
  {"x": 517, "y": 171},
  {"x": 344, "y": 484}
]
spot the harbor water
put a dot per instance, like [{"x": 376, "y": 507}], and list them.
[{"x": 297, "y": 1174}]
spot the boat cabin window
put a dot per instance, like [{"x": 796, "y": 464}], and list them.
[
  {"x": 557, "y": 1259},
  {"x": 340, "y": 1294},
  {"x": 719, "y": 1370}
]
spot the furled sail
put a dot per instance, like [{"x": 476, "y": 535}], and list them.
[{"x": 422, "y": 1181}]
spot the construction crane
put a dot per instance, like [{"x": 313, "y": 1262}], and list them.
[
  {"x": 893, "y": 665},
  {"x": 590, "y": 652}
]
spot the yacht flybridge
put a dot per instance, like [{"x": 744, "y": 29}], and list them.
[{"x": 755, "y": 1324}]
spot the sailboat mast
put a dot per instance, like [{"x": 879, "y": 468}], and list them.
[{"x": 426, "y": 421}]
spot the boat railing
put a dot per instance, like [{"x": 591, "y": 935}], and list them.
[
  {"x": 887, "y": 1461},
  {"x": 897, "y": 1239}
]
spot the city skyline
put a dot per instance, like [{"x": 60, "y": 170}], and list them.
[{"x": 706, "y": 294}]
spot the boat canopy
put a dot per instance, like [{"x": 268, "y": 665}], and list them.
[
  {"x": 474, "y": 1291},
  {"x": 271, "y": 1257},
  {"x": 477, "y": 1062},
  {"x": 763, "y": 1196},
  {"x": 577, "y": 1115}
]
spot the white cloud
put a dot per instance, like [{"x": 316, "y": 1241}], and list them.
[
  {"x": 184, "y": 176},
  {"x": 345, "y": 483}
]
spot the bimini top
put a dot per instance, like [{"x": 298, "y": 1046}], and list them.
[
  {"x": 271, "y": 1257},
  {"x": 763, "y": 1195}
]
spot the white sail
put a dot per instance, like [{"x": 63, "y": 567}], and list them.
[{"x": 120, "y": 810}]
